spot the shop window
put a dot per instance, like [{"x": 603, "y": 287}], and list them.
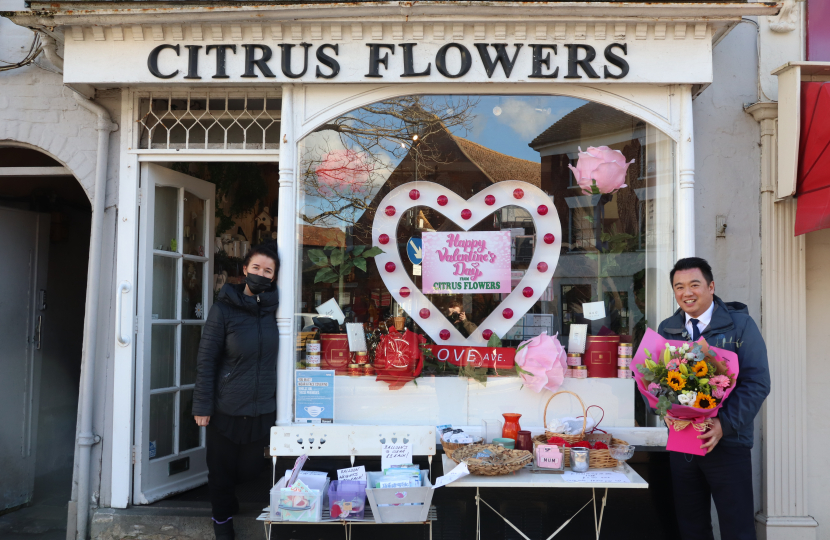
[
  {"x": 616, "y": 247},
  {"x": 213, "y": 120}
]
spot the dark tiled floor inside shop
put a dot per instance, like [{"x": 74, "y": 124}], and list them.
[{"x": 536, "y": 512}]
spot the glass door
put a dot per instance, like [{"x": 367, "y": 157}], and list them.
[{"x": 175, "y": 292}]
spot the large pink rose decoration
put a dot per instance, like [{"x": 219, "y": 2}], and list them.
[
  {"x": 544, "y": 360},
  {"x": 344, "y": 172},
  {"x": 600, "y": 170}
]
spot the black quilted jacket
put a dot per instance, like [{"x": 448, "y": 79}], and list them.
[{"x": 236, "y": 369}]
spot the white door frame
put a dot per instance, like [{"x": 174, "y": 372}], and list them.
[{"x": 124, "y": 381}]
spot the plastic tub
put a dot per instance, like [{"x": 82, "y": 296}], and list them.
[{"x": 347, "y": 499}]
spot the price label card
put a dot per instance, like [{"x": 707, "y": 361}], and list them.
[
  {"x": 593, "y": 311},
  {"x": 395, "y": 454},
  {"x": 577, "y": 337},
  {"x": 331, "y": 309},
  {"x": 459, "y": 472},
  {"x": 596, "y": 477},
  {"x": 352, "y": 473}
]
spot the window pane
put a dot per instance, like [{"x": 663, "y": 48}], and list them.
[
  {"x": 162, "y": 409},
  {"x": 163, "y": 356},
  {"x": 191, "y": 334},
  {"x": 193, "y": 305},
  {"x": 165, "y": 218},
  {"x": 616, "y": 221},
  {"x": 164, "y": 287},
  {"x": 188, "y": 430},
  {"x": 194, "y": 225}
]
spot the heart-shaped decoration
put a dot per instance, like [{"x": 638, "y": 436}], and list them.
[{"x": 466, "y": 214}]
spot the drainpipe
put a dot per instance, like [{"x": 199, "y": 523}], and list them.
[
  {"x": 86, "y": 438},
  {"x": 50, "y": 50}
]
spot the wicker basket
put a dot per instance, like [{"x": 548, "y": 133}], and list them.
[
  {"x": 507, "y": 461},
  {"x": 598, "y": 459},
  {"x": 450, "y": 447}
]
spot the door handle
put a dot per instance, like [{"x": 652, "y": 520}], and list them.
[
  {"x": 123, "y": 287},
  {"x": 38, "y": 328}
]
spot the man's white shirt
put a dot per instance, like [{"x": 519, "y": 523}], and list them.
[{"x": 702, "y": 321}]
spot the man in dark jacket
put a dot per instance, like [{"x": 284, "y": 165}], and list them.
[{"x": 725, "y": 472}]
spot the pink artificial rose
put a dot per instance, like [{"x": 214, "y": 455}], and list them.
[
  {"x": 602, "y": 165},
  {"x": 718, "y": 392},
  {"x": 672, "y": 365},
  {"x": 544, "y": 357},
  {"x": 654, "y": 388}
]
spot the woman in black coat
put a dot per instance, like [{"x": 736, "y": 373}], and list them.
[{"x": 236, "y": 383}]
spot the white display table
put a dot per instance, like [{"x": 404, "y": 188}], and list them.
[{"x": 524, "y": 478}]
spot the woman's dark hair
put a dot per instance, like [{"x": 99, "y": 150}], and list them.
[
  {"x": 265, "y": 250},
  {"x": 690, "y": 263}
]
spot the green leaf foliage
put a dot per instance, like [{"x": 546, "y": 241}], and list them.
[
  {"x": 346, "y": 267},
  {"x": 318, "y": 257},
  {"x": 360, "y": 262},
  {"x": 336, "y": 257},
  {"x": 494, "y": 341},
  {"x": 372, "y": 251},
  {"x": 326, "y": 275},
  {"x": 357, "y": 250}
]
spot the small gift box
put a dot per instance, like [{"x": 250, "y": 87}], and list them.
[{"x": 549, "y": 456}]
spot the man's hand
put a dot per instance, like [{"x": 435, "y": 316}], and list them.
[
  {"x": 202, "y": 421},
  {"x": 713, "y": 435},
  {"x": 462, "y": 316}
]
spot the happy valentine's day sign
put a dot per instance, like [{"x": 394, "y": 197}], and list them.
[{"x": 466, "y": 262}]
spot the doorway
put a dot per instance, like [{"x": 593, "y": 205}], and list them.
[
  {"x": 197, "y": 222},
  {"x": 45, "y": 217}
]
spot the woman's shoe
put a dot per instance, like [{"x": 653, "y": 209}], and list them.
[{"x": 224, "y": 530}]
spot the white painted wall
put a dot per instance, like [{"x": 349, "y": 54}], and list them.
[
  {"x": 37, "y": 111},
  {"x": 727, "y": 174},
  {"x": 818, "y": 358}
]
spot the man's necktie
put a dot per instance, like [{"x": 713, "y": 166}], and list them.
[{"x": 695, "y": 331}]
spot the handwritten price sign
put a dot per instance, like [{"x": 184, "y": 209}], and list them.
[{"x": 395, "y": 454}]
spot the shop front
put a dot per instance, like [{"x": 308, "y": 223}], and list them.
[{"x": 416, "y": 168}]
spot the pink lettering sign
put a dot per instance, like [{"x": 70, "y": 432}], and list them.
[{"x": 466, "y": 262}]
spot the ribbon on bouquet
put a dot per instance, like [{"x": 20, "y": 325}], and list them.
[{"x": 679, "y": 424}]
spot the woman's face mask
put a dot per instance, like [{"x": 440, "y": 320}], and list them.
[{"x": 257, "y": 284}]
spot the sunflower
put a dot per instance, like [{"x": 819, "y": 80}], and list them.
[
  {"x": 701, "y": 369},
  {"x": 705, "y": 402},
  {"x": 676, "y": 380}
]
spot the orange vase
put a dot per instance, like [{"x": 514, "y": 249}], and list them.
[{"x": 511, "y": 426}]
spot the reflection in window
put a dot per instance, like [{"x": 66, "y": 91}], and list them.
[{"x": 616, "y": 248}]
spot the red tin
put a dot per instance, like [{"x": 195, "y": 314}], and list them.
[
  {"x": 601, "y": 356},
  {"x": 335, "y": 352}
]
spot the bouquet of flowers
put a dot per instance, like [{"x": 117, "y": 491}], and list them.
[{"x": 686, "y": 383}]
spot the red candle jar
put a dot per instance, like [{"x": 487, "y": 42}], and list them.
[
  {"x": 601, "y": 356},
  {"x": 511, "y": 425}
]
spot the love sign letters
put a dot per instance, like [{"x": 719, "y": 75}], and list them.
[{"x": 466, "y": 213}]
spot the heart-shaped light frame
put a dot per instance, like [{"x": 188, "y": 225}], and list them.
[{"x": 477, "y": 207}]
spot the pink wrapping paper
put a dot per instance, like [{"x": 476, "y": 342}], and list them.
[{"x": 686, "y": 440}]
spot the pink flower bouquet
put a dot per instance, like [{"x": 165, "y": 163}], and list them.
[
  {"x": 541, "y": 362},
  {"x": 686, "y": 383}
]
